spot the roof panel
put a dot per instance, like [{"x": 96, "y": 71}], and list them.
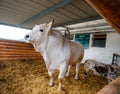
[
  {"x": 15, "y": 12},
  {"x": 55, "y": 1},
  {"x": 7, "y": 9},
  {"x": 61, "y": 15},
  {"x": 10, "y": 12},
  {"x": 8, "y": 20},
  {"x": 76, "y": 11},
  {"x": 67, "y": 13},
  {"x": 53, "y": 16},
  {"x": 46, "y": 19},
  {"x": 82, "y": 5},
  {"x": 32, "y": 4},
  {"x": 18, "y": 7},
  {"x": 45, "y": 3},
  {"x": 45, "y": 12}
]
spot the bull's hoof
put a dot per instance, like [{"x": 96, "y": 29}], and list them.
[
  {"x": 67, "y": 76},
  {"x": 76, "y": 78},
  {"x": 51, "y": 84}
]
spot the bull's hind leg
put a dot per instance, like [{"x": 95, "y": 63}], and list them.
[{"x": 77, "y": 70}]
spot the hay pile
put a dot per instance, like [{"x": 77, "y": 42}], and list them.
[{"x": 31, "y": 77}]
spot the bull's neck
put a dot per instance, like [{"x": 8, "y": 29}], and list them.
[{"x": 40, "y": 47}]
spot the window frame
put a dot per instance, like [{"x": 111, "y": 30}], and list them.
[{"x": 101, "y": 38}]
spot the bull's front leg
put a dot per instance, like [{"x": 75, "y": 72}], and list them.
[
  {"x": 68, "y": 72},
  {"x": 51, "y": 83},
  {"x": 62, "y": 70}
]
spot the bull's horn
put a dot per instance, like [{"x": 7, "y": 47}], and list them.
[
  {"x": 49, "y": 25},
  {"x": 53, "y": 20}
]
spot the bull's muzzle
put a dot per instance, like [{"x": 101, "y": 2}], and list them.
[{"x": 26, "y": 37}]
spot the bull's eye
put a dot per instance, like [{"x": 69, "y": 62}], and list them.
[{"x": 41, "y": 30}]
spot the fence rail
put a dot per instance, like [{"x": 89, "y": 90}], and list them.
[{"x": 12, "y": 50}]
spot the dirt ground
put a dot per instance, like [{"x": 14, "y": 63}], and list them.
[{"x": 31, "y": 77}]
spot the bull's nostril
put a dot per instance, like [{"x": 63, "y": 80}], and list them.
[{"x": 27, "y": 36}]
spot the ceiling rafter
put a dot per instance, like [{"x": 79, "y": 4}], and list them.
[{"x": 79, "y": 21}]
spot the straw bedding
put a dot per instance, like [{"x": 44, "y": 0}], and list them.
[{"x": 31, "y": 77}]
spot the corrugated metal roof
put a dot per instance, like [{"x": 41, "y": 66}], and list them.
[
  {"x": 27, "y": 13},
  {"x": 87, "y": 27}
]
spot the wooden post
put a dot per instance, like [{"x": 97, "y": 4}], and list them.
[{"x": 109, "y": 10}]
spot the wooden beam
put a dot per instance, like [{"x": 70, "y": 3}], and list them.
[{"x": 109, "y": 10}]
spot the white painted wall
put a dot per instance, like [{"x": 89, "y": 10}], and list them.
[{"x": 104, "y": 55}]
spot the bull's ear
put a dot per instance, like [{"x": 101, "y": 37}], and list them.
[{"x": 49, "y": 25}]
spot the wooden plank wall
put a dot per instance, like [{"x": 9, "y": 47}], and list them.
[
  {"x": 11, "y": 50},
  {"x": 109, "y": 10}
]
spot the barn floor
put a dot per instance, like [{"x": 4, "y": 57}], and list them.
[{"x": 31, "y": 77}]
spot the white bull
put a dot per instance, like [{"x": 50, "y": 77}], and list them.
[{"x": 57, "y": 51}]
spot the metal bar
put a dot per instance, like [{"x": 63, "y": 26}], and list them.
[
  {"x": 90, "y": 32},
  {"x": 86, "y": 26},
  {"x": 44, "y": 12},
  {"x": 89, "y": 26},
  {"x": 90, "y": 29}
]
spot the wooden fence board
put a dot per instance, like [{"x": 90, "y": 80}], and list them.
[{"x": 12, "y": 50}]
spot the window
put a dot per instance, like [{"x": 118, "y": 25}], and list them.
[
  {"x": 83, "y": 39},
  {"x": 98, "y": 40}
]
